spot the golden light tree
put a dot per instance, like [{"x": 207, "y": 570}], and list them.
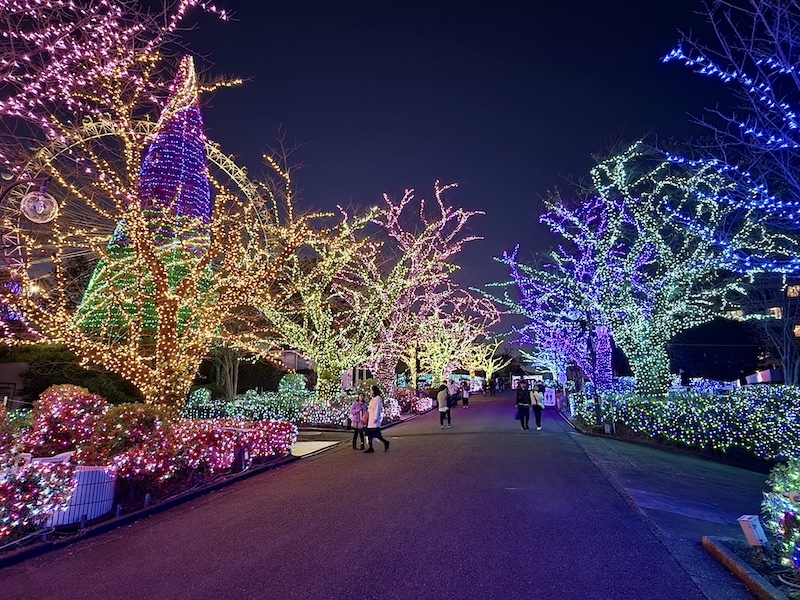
[
  {"x": 180, "y": 235},
  {"x": 482, "y": 356},
  {"x": 445, "y": 337},
  {"x": 333, "y": 302}
]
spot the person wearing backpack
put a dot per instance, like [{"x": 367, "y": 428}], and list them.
[{"x": 359, "y": 414}]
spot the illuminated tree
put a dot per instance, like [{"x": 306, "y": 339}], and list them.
[
  {"x": 754, "y": 51},
  {"x": 483, "y": 356},
  {"x": 181, "y": 235},
  {"x": 564, "y": 324},
  {"x": 655, "y": 275},
  {"x": 446, "y": 336},
  {"x": 332, "y": 303},
  {"x": 427, "y": 244}
]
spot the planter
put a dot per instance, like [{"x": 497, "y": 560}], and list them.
[{"x": 93, "y": 496}]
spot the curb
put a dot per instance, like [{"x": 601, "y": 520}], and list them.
[
  {"x": 16, "y": 556},
  {"x": 752, "y": 580}
]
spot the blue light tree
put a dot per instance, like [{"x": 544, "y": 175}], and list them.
[{"x": 755, "y": 51}]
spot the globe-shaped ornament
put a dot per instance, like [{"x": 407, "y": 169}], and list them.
[{"x": 39, "y": 207}]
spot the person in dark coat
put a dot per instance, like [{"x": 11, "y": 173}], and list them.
[{"x": 523, "y": 401}]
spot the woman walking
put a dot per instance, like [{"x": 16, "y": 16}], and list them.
[
  {"x": 359, "y": 413},
  {"x": 465, "y": 396},
  {"x": 523, "y": 401},
  {"x": 537, "y": 400},
  {"x": 442, "y": 400},
  {"x": 375, "y": 418}
]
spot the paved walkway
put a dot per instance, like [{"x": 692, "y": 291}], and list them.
[{"x": 481, "y": 510}]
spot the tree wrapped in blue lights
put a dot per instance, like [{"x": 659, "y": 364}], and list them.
[
  {"x": 755, "y": 55},
  {"x": 653, "y": 276}
]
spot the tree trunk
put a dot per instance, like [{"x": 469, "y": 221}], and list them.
[
  {"x": 329, "y": 383},
  {"x": 383, "y": 370},
  {"x": 603, "y": 375},
  {"x": 650, "y": 364}
]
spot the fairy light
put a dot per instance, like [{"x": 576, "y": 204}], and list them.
[
  {"x": 653, "y": 276},
  {"x": 559, "y": 301},
  {"x": 482, "y": 356},
  {"x": 761, "y": 420},
  {"x": 333, "y": 309},
  {"x": 133, "y": 440},
  {"x": 429, "y": 242},
  {"x": 780, "y": 508},
  {"x": 752, "y": 56}
]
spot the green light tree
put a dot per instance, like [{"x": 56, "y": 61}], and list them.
[{"x": 657, "y": 274}]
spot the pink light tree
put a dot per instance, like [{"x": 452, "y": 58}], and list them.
[{"x": 427, "y": 242}]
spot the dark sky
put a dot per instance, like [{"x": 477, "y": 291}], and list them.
[{"x": 506, "y": 100}]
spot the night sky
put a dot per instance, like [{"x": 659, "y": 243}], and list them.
[{"x": 504, "y": 99}]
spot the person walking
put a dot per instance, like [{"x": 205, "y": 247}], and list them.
[
  {"x": 537, "y": 401},
  {"x": 442, "y": 400},
  {"x": 374, "y": 421},
  {"x": 492, "y": 386},
  {"x": 465, "y": 396},
  {"x": 359, "y": 415},
  {"x": 523, "y": 401}
]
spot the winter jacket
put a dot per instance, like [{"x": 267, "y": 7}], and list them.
[
  {"x": 375, "y": 412},
  {"x": 441, "y": 400},
  {"x": 357, "y": 413}
]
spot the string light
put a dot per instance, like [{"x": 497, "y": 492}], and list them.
[
  {"x": 652, "y": 276},
  {"x": 427, "y": 244}
]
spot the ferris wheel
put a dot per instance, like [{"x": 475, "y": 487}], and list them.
[{"x": 61, "y": 208}]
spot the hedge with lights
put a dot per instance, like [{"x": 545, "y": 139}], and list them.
[
  {"x": 760, "y": 420},
  {"x": 29, "y": 494},
  {"x": 292, "y": 402},
  {"x": 136, "y": 440}
]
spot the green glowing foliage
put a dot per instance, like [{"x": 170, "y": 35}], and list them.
[{"x": 655, "y": 273}]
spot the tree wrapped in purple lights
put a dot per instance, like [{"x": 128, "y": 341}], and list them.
[
  {"x": 564, "y": 323},
  {"x": 654, "y": 276}
]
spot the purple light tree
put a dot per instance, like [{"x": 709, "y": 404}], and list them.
[{"x": 563, "y": 325}]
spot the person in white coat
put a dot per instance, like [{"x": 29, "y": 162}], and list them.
[{"x": 375, "y": 418}]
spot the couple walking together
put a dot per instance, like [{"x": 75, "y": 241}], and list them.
[
  {"x": 526, "y": 399},
  {"x": 367, "y": 419}
]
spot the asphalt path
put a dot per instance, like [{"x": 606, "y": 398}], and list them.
[{"x": 481, "y": 510}]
